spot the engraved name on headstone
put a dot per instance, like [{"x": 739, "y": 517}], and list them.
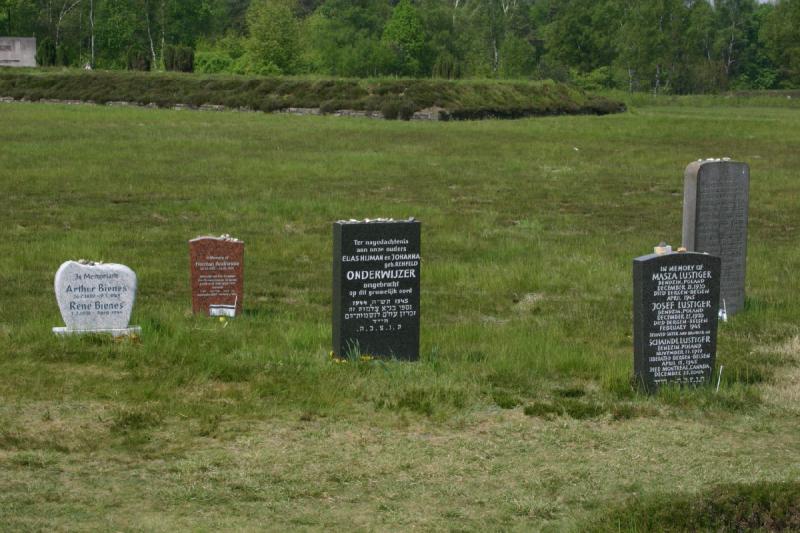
[
  {"x": 376, "y": 275},
  {"x": 217, "y": 270},
  {"x": 95, "y": 298},
  {"x": 715, "y": 214},
  {"x": 675, "y": 316}
]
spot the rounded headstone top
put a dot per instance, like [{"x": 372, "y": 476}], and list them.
[
  {"x": 95, "y": 296},
  {"x": 715, "y": 160}
]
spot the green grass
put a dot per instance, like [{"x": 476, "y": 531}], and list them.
[
  {"x": 520, "y": 414},
  {"x": 392, "y": 97},
  {"x": 733, "y": 507},
  {"x": 781, "y": 99}
]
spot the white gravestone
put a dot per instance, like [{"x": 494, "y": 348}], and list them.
[{"x": 95, "y": 298}]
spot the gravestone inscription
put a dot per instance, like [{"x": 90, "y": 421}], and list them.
[
  {"x": 217, "y": 270},
  {"x": 95, "y": 298},
  {"x": 376, "y": 293},
  {"x": 715, "y": 214},
  {"x": 675, "y": 316}
]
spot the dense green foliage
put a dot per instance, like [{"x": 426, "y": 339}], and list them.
[
  {"x": 668, "y": 46},
  {"x": 395, "y": 98},
  {"x": 178, "y": 58}
]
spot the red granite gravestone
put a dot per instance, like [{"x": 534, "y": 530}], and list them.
[{"x": 217, "y": 265}]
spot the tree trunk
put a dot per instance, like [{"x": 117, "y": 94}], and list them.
[
  {"x": 91, "y": 23},
  {"x": 657, "y": 83},
  {"x": 730, "y": 60},
  {"x": 150, "y": 38},
  {"x": 163, "y": 30}
]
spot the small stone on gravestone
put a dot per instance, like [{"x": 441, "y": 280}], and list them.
[
  {"x": 662, "y": 248},
  {"x": 715, "y": 215},
  {"x": 376, "y": 296},
  {"x": 217, "y": 271},
  {"x": 675, "y": 317},
  {"x": 95, "y": 298}
]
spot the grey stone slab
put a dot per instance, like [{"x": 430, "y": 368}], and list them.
[
  {"x": 715, "y": 216},
  {"x": 17, "y": 51},
  {"x": 95, "y": 297}
]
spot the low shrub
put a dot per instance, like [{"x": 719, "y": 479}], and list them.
[
  {"x": 212, "y": 62},
  {"x": 396, "y": 99},
  {"x": 390, "y": 109},
  {"x": 405, "y": 109},
  {"x": 763, "y": 506},
  {"x": 330, "y": 106}
]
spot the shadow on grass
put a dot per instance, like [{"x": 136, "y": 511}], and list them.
[{"x": 583, "y": 409}]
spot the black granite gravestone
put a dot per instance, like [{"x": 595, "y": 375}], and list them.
[
  {"x": 376, "y": 272},
  {"x": 675, "y": 315},
  {"x": 715, "y": 205}
]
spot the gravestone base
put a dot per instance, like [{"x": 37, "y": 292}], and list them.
[
  {"x": 122, "y": 332},
  {"x": 222, "y": 310}
]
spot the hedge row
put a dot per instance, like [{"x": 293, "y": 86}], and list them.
[{"x": 394, "y": 98}]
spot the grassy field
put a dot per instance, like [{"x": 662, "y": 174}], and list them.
[{"x": 520, "y": 414}]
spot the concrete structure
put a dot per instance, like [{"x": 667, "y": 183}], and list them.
[{"x": 17, "y": 51}]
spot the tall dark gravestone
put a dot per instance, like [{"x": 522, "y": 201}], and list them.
[
  {"x": 675, "y": 316},
  {"x": 376, "y": 272},
  {"x": 715, "y": 212}
]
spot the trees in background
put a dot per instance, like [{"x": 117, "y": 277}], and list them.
[
  {"x": 780, "y": 33},
  {"x": 404, "y": 38},
  {"x": 273, "y": 44},
  {"x": 662, "y": 46}
]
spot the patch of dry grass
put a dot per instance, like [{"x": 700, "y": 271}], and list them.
[
  {"x": 488, "y": 470},
  {"x": 784, "y": 391}
]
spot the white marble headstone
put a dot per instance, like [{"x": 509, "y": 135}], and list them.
[{"x": 95, "y": 297}]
